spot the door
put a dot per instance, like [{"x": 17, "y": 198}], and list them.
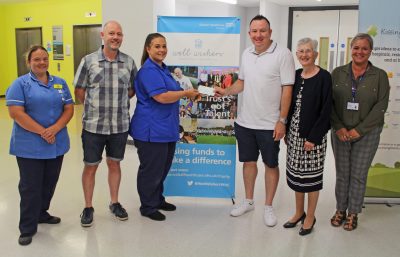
[
  {"x": 86, "y": 40},
  {"x": 323, "y": 52},
  {"x": 331, "y": 28},
  {"x": 25, "y": 38},
  {"x": 346, "y": 34}
]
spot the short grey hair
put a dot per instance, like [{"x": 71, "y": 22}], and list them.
[
  {"x": 307, "y": 40},
  {"x": 360, "y": 36},
  {"x": 111, "y": 21}
]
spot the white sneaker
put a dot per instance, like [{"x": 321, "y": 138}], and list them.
[
  {"x": 242, "y": 208},
  {"x": 269, "y": 216}
]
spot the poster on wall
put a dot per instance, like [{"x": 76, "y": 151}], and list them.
[
  {"x": 381, "y": 22},
  {"x": 203, "y": 53},
  {"x": 58, "y": 44}
]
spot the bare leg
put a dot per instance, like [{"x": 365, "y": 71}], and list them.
[
  {"x": 114, "y": 178},
  {"x": 299, "y": 206},
  {"x": 249, "y": 178},
  {"x": 271, "y": 183},
  {"x": 312, "y": 205},
  {"x": 88, "y": 182}
]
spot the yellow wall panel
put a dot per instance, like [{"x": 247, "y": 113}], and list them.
[
  {"x": 2, "y": 50},
  {"x": 44, "y": 14}
]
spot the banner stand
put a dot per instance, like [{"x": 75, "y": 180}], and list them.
[
  {"x": 203, "y": 53},
  {"x": 389, "y": 202},
  {"x": 378, "y": 20}
]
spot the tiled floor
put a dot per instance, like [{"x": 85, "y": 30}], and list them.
[{"x": 199, "y": 227}]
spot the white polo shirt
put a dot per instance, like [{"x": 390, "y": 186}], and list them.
[{"x": 263, "y": 75}]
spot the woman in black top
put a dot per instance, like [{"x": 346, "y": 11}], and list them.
[{"x": 309, "y": 122}]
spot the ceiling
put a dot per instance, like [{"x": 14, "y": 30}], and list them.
[
  {"x": 292, "y": 3},
  {"x": 253, "y": 3},
  {"x": 16, "y": 1}
]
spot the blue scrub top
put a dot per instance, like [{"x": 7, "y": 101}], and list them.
[
  {"x": 44, "y": 104},
  {"x": 154, "y": 121}
]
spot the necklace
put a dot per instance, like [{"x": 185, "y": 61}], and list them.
[{"x": 309, "y": 74}]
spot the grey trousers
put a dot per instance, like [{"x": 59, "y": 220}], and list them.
[{"x": 353, "y": 160}]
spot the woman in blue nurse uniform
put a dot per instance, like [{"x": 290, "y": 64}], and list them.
[
  {"x": 41, "y": 106},
  {"x": 155, "y": 125}
]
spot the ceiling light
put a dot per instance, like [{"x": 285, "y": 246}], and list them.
[{"x": 228, "y": 1}]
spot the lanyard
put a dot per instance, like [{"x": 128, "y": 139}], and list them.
[
  {"x": 354, "y": 85},
  {"x": 355, "y": 82}
]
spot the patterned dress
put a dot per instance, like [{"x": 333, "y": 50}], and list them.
[{"x": 304, "y": 169}]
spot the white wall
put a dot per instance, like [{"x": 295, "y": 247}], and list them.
[
  {"x": 250, "y": 13},
  {"x": 163, "y": 7},
  {"x": 136, "y": 18},
  {"x": 278, "y": 16}
]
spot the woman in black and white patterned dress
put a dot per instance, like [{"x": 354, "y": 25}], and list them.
[{"x": 308, "y": 124}]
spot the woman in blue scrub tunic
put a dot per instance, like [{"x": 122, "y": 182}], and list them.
[
  {"x": 155, "y": 125},
  {"x": 41, "y": 106}
]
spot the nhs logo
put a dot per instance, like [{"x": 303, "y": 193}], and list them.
[{"x": 198, "y": 43}]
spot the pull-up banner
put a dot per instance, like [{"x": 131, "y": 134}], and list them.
[
  {"x": 380, "y": 19},
  {"x": 203, "y": 53}
]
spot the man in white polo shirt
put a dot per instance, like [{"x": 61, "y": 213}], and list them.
[{"x": 264, "y": 86}]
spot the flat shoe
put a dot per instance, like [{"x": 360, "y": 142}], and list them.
[
  {"x": 25, "y": 239},
  {"x": 167, "y": 207},
  {"x": 158, "y": 216},
  {"x": 50, "y": 220}
]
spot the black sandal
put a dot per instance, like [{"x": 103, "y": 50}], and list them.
[
  {"x": 338, "y": 218},
  {"x": 351, "y": 222}
]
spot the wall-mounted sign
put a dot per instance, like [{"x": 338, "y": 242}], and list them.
[
  {"x": 48, "y": 47},
  {"x": 90, "y": 14},
  {"x": 58, "y": 45}
]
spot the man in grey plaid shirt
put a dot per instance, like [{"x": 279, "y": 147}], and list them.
[{"x": 104, "y": 84}]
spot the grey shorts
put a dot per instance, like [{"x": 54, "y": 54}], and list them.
[{"x": 94, "y": 144}]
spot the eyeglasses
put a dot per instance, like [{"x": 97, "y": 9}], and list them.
[{"x": 304, "y": 51}]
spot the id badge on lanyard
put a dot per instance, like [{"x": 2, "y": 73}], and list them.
[{"x": 353, "y": 105}]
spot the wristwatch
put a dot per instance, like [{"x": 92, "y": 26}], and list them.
[{"x": 283, "y": 120}]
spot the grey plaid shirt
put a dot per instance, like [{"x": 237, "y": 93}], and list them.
[{"x": 106, "y": 107}]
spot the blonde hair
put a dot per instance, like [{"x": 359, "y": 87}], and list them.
[{"x": 360, "y": 36}]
